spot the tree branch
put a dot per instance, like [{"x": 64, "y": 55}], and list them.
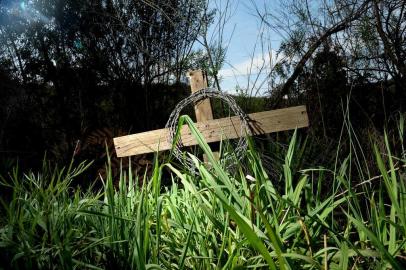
[{"x": 342, "y": 25}]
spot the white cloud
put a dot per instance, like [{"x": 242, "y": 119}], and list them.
[
  {"x": 246, "y": 67},
  {"x": 250, "y": 73}
]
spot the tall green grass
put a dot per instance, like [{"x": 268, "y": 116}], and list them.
[{"x": 221, "y": 219}]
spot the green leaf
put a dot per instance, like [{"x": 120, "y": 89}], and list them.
[{"x": 384, "y": 252}]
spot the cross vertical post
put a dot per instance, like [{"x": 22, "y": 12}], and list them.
[{"x": 203, "y": 109}]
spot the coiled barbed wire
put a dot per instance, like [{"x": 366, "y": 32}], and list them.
[{"x": 172, "y": 125}]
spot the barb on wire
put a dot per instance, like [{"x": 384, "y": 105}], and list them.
[{"x": 172, "y": 125}]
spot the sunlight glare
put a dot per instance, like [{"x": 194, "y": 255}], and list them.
[
  {"x": 31, "y": 13},
  {"x": 23, "y": 5}
]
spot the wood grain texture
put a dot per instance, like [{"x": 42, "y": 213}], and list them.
[
  {"x": 203, "y": 108},
  {"x": 214, "y": 130}
]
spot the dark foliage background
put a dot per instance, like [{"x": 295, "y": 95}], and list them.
[{"x": 69, "y": 69}]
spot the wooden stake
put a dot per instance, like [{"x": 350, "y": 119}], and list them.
[{"x": 203, "y": 108}]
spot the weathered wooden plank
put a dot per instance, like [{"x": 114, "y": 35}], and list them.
[
  {"x": 213, "y": 131},
  {"x": 202, "y": 108}
]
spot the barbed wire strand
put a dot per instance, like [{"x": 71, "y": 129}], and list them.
[{"x": 172, "y": 125}]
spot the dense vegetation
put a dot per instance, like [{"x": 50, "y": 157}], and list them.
[
  {"x": 68, "y": 68},
  {"x": 218, "y": 219},
  {"x": 74, "y": 74}
]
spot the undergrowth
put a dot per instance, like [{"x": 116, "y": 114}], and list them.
[{"x": 219, "y": 219}]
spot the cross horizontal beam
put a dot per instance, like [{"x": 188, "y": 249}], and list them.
[{"x": 213, "y": 131}]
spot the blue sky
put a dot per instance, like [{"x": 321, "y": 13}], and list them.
[{"x": 244, "y": 50}]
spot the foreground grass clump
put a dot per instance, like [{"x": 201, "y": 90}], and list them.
[{"x": 225, "y": 219}]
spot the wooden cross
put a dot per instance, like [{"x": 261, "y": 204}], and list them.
[{"x": 212, "y": 129}]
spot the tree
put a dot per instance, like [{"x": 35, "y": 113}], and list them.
[
  {"x": 89, "y": 64},
  {"x": 305, "y": 39},
  {"x": 360, "y": 47}
]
